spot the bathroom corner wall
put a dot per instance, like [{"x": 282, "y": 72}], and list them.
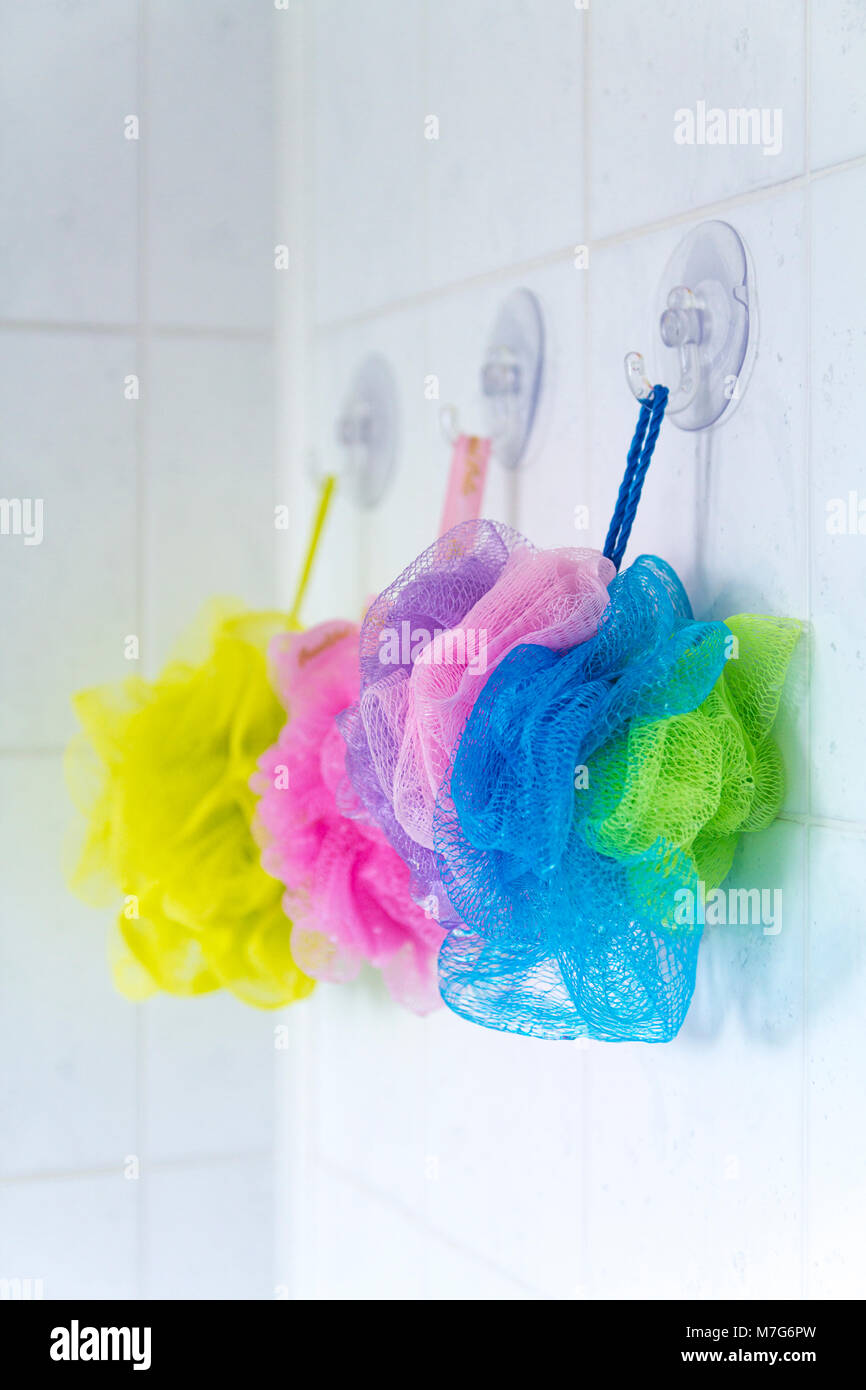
[
  {"x": 434, "y": 1159},
  {"x": 150, "y": 258}
]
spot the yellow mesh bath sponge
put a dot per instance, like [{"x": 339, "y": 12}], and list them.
[{"x": 161, "y": 773}]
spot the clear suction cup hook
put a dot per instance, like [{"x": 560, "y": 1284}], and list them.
[
  {"x": 511, "y": 376},
  {"x": 510, "y": 379},
  {"x": 708, "y": 320},
  {"x": 449, "y": 423},
  {"x": 368, "y": 431}
]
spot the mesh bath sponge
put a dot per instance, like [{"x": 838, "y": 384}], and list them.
[
  {"x": 565, "y": 758},
  {"x": 161, "y": 773},
  {"x": 591, "y": 790},
  {"x": 347, "y": 890},
  {"x": 427, "y": 645},
  {"x": 554, "y": 598},
  {"x": 432, "y": 595}
]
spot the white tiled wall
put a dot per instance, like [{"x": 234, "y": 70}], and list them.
[
  {"x": 422, "y": 1159},
  {"x": 433, "y": 1159},
  {"x": 152, "y": 258}
]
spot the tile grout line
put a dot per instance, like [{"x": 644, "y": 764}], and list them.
[
  {"x": 109, "y": 1170},
  {"x": 584, "y": 1255},
  {"x": 263, "y": 334},
  {"x": 807, "y": 876},
  {"x": 408, "y": 1214},
  {"x": 325, "y": 327},
  {"x": 142, "y": 362},
  {"x": 282, "y": 232},
  {"x": 426, "y": 349},
  {"x": 294, "y": 376},
  {"x": 562, "y": 254},
  {"x": 218, "y": 332},
  {"x": 308, "y": 1022},
  {"x": 822, "y": 823}
]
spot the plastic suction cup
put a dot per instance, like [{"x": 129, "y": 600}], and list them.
[
  {"x": 368, "y": 429},
  {"x": 511, "y": 375},
  {"x": 708, "y": 326}
]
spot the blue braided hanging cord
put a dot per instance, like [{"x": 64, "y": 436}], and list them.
[
  {"x": 640, "y": 453},
  {"x": 624, "y": 487}
]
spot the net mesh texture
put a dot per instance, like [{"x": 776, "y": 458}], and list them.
[
  {"x": 591, "y": 790},
  {"x": 347, "y": 890},
  {"x": 160, "y": 773},
  {"x": 427, "y": 646},
  {"x": 562, "y": 755}
]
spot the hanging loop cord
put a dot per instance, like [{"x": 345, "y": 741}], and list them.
[
  {"x": 467, "y": 476},
  {"x": 652, "y": 409},
  {"x": 325, "y": 495}
]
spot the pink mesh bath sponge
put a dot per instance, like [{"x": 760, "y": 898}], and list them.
[
  {"x": 552, "y": 598},
  {"x": 347, "y": 890},
  {"x": 428, "y": 644}
]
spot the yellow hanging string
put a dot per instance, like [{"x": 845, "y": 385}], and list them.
[{"x": 325, "y": 495}]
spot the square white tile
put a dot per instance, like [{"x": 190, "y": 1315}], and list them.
[
  {"x": 369, "y": 1249},
  {"x": 753, "y": 975},
  {"x": 838, "y": 503},
  {"x": 67, "y": 1039},
  {"x": 453, "y": 1274},
  {"x": 366, "y": 124},
  {"x": 838, "y": 114},
  {"x": 69, "y": 220},
  {"x": 209, "y": 1231},
  {"x": 836, "y": 991},
  {"x": 505, "y": 175},
  {"x": 77, "y": 1235},
  {"x": 504, "y": 1145},
  {"x": 734, "y": 57},
  {"x": 210, "y": 492},
  {"x": 208, "y": 1077},
  {"x": 364, "y": 1248},
  {"x": 371, "y": 1089},
  {"x": 695, "y": 1181},
  {"x": 695, "y": 1190},
  {"x": 208, "y": 142},
  {"x": 69, "y": 601}
]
